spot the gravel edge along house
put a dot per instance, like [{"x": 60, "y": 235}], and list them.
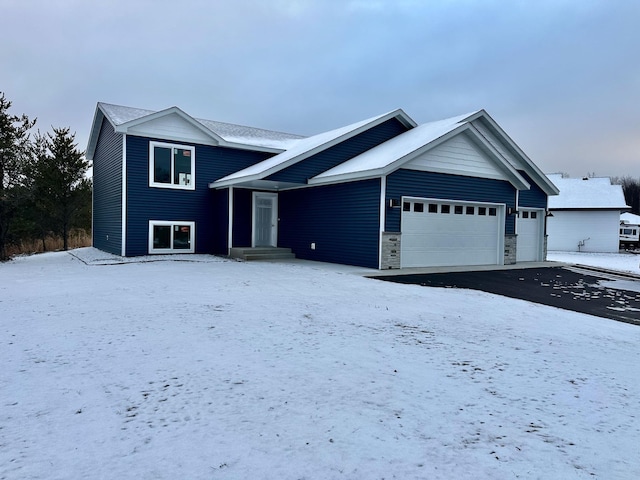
[{"x": 381, "y": 193}]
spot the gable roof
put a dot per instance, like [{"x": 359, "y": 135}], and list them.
[
  {"x": 223, "y": 134},
  {"x": 305, "y": 148},
  {"x": 586, "y": 194},
  {"x": 630, "y": 218},
  {"x": 398, "y": 151}
]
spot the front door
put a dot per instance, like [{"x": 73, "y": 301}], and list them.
[{"x": 265, "y": 220}]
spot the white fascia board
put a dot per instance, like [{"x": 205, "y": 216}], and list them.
[
  {"x": 238, "y": 177},
  {"x": 533, "y": 171},
  {"x": 98, "y": 117},
  {"x": 124, "y": 128},
  {"x": 514, "y": 177}
]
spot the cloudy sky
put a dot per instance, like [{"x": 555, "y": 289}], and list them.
[{"x": 562, "y": 77}]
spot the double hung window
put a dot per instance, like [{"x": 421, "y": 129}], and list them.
[{"x": 172, "y": 166}]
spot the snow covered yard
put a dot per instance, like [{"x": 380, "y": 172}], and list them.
[{"x": 208, "y": 368}]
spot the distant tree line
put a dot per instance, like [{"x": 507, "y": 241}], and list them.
[
  {"x": 44, "y": 190},
  {"x": 631, "y": 189}
]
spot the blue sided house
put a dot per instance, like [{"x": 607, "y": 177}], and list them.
[{"x": 381, "y": 193}]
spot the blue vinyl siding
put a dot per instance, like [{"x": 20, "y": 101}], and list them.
[
  {"x": 107, "y": 191},
  {"x": 533, "y": 198},
  {"x": 329, "y": 158},
  {"x": 414, "y": 183},
  {"x": 146, "y": 203},
  {"x": 342, "y": 220},
  {"x": 220, "y": 221},
  {"x": 242, "y": 205}
]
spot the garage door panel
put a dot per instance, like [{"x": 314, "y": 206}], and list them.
[
  {"x": 443, "y": 239},
  {"x": 530, "y": 229}
]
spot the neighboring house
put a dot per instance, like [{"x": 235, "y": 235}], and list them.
[
  {"x": 380, "y": 193},
  {"x": 585, "y": 216},
  {"x": 629, "y": 230}
]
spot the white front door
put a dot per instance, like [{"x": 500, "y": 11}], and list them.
[{"x": 265, "y": 220}]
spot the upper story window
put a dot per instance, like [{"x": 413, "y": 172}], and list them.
[{"x": 172, "y": 166}]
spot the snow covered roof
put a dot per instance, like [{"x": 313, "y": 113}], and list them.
[
  {"x": 225, "y": 134},
  {"x": 390, "y": 155},
  {"x": 630, "y": 218},
  {"x": 586, "y": 194},
  {"x": 305, "y": 148},
  {"x": 390, "y": 151}
]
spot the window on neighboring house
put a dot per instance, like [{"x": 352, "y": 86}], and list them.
[
  {"x": 171, "y": 237},
  {"x": 172, "y": 166}
]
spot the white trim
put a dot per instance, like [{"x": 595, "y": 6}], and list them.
[
  {"x": 124, "y": 127},
  {"x": 515, "y": 230},
  {"x": 230, "y": 227},
  {"x": 171, "y": 223},
  {"x": 383, "y": 216},
  {"x": 191, "y": 185},
  {"x": 123, "y": 247},
  {"x": 531, "y": 168},
  {"x": 493, "y": 155},
  {"x": 274, "y": 217},
  {"x": 268, "y": 167}
]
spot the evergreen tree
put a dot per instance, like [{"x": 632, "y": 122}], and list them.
[
  {"x": 60, "y": 187},
  {"x": 15, "y": 154}
]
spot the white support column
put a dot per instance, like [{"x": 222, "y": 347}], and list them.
[
  {"x": 123, "y": 247},
  {"x": 383, "y": 216}
]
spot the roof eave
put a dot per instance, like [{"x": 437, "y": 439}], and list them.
[
  {"x": 533, "y": 171},
  {"x": 398, "y": 113},
  {"x": 98, "y": 117}
]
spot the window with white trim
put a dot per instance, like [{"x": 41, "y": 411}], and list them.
[
  {"x": 172, "y": 166},
  {"x": 171, "y": 237}
]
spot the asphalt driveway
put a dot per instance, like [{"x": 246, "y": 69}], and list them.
[{"x": 561, "y": 287}]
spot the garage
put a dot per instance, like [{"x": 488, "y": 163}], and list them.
[
  {"x": 438, "y": 232},
  {"x": 530, "y": 229}
]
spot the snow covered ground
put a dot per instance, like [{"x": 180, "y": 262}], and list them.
[
  {"x": 207, "y": 368},
  {"x": 623, "y": 262}
]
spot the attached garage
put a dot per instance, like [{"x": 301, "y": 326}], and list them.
[
  {"x": 439, "y": 232},
  {"x": 530, "y": 231}
]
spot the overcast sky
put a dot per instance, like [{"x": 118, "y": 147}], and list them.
[{"x": 562, "y": 77}]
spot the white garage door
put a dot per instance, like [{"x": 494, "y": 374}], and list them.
[
  {"x": 447, "y": 233},
  {"x": 529, "y": 227}
]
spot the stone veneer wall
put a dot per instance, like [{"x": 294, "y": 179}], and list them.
[
  {"x": 510, "y": 246},
  {"x": 390, "y": 250}
]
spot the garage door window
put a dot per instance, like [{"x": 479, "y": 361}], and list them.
[
  {"x": 482, "y": 210},
  {"x": 471, "y": 210},
  {"x": 433, "y": 208},
  {"x": 445, "y": 209},
  {"x": 458, "y": 210},
  {"x": 406, "y": 206},
  {"x": 492, "y": 212},
  {"x": 418, "y": 207}
]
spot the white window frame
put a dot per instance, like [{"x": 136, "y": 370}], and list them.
[
  {"x": 192, "y": 180},
  {"x": 172, "y": 224}
]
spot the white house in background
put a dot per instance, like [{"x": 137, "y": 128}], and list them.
[
  {"x": 629, "y": 230},
  {"x": 585, "y": 216}
]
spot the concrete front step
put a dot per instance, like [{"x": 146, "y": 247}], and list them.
[{"x": 261, "y": 253}]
